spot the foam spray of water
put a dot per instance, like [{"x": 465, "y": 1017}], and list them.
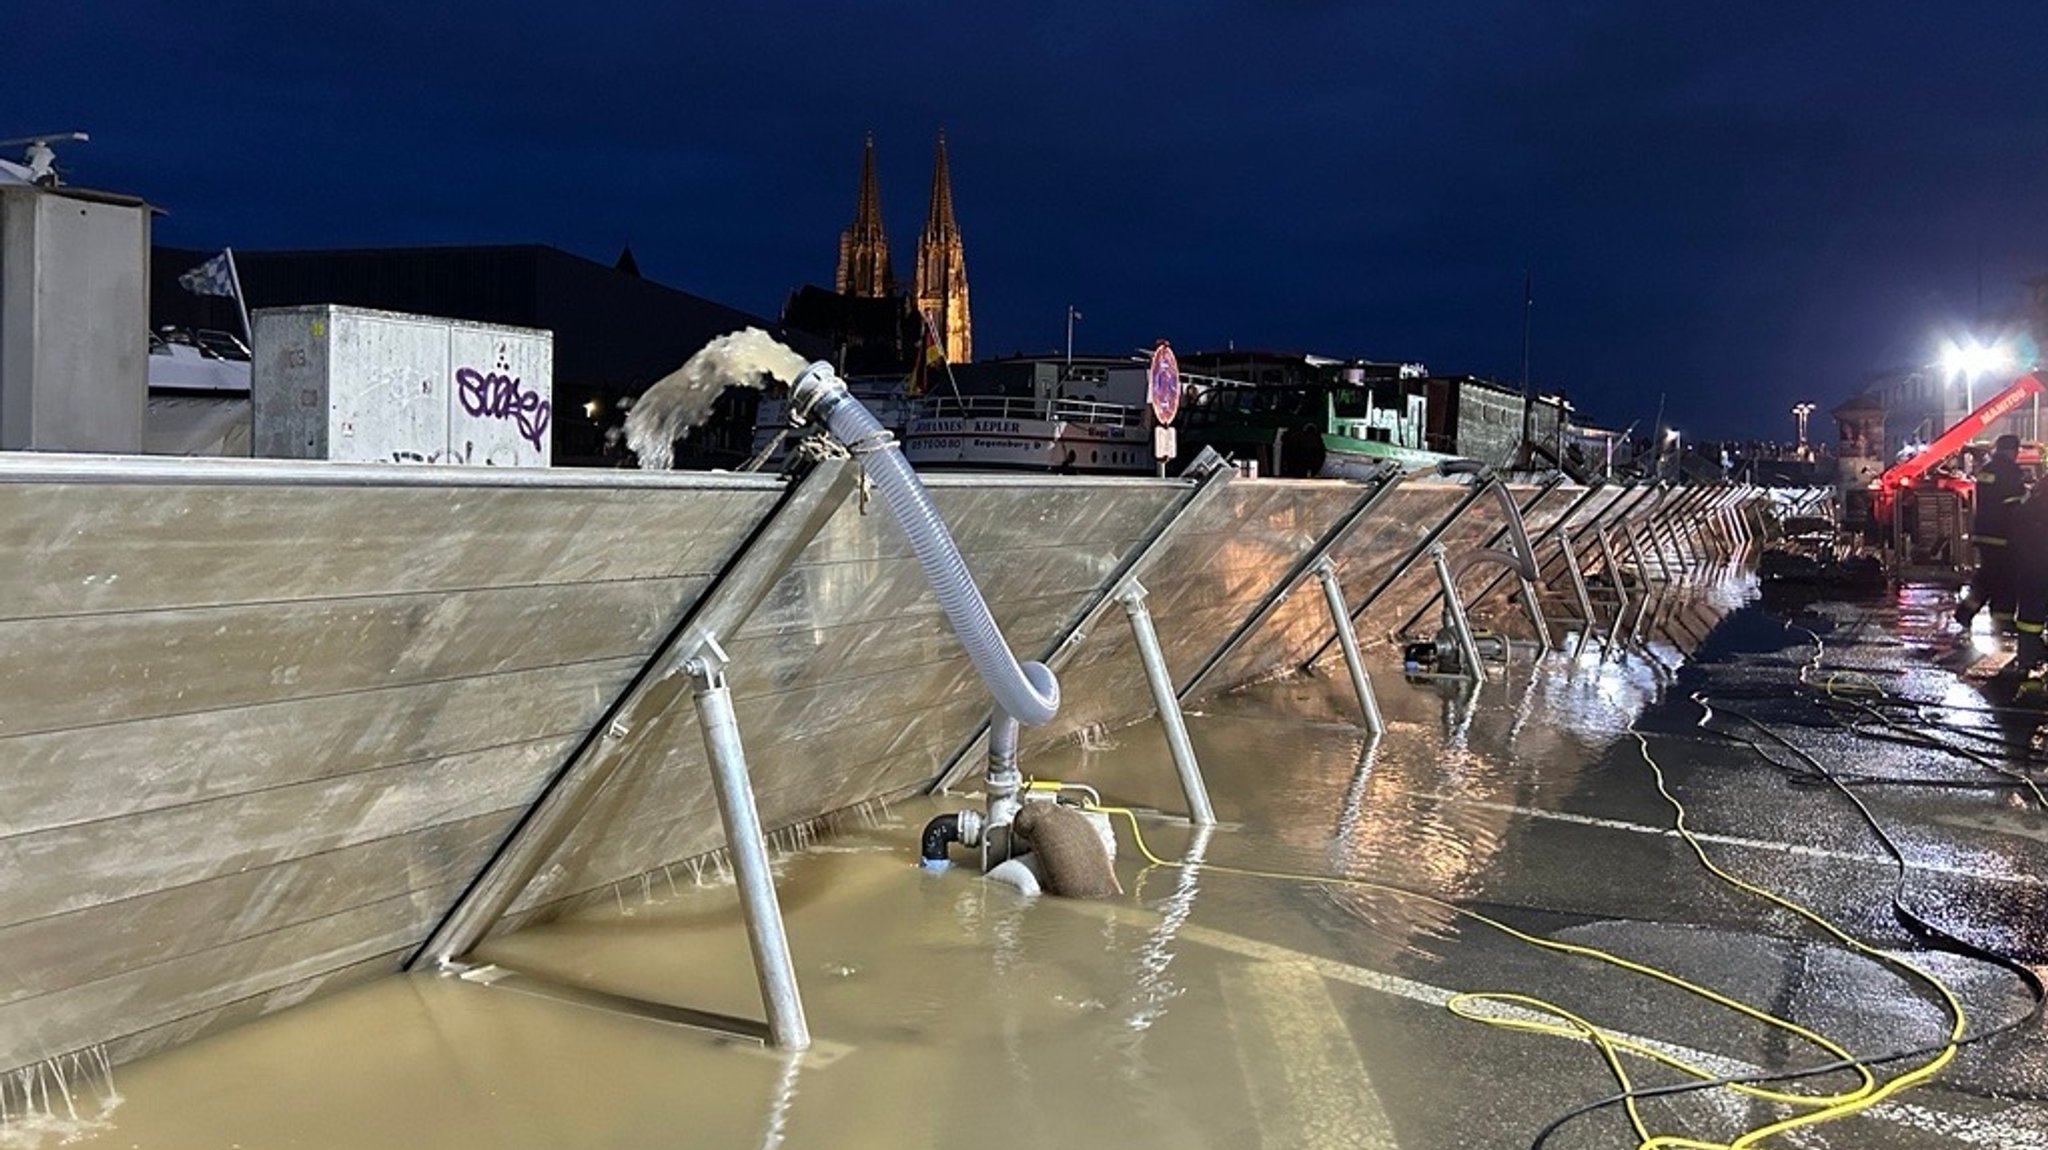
[
  {"x": 62, "y": 1100},
  {"x": 682, "y": 399}
]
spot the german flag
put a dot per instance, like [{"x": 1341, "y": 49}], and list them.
[{"x": 929, "y": 359}]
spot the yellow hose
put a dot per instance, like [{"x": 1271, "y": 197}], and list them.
[{"x": 1817, "y": 1108}]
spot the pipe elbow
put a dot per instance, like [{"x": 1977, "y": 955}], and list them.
[{"x": 939, "y": 834}]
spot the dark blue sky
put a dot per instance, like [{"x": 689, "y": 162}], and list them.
[{"x": 1740, "y": 204}]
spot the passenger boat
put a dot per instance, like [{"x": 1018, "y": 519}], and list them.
[
  {"x": 998, "y": 432},
  {"x": 994, "y": 432}
]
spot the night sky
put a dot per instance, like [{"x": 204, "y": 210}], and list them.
[{"x": 1740, "y": 205}]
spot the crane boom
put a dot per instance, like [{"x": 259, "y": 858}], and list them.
[{"x": 1956, "y": 438}]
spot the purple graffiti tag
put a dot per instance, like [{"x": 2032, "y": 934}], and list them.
[{"x": 499, "y": 396}]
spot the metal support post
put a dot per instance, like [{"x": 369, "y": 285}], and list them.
[
  {"x": 1649, "y": 590},
  {"x": 1706, "y": 530},
  {"x": 1686, "y": 554},
  {"x": 1403, "y": 565},
  {"x": 1693, "y": 524},
  {"x": 1668, "y": 561},
  {"x": 749, "y": 850},
  {"x": 1454, "y": 613},
  {"x": 1347, "y": 638},
  {"x": 1679, "y": 552},
  {"x": 1499, "y": 535},
  {"x": 1536, "y": 618},
  {"x": 1697, "y": 539},
  {"x": 1211, "y": 478},
  {"x": 1738, "y": 516},
  {"x": 1630, "y": 523},
  {"x": 1684, "y": 524},
  {"x": 1383, "y": 487},
  {"x": 1635, "y": 541},
  {"x": 1571, "y": 566},
  {"x": 1132, "y": 597},
  {"x": 1730, "y": 528},
  {"x": 616, "y": 738},
  {"x": 1612, "y": 565},
  {"x": 1617, "y": 577}
]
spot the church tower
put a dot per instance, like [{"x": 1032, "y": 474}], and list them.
[
  {"x": 941, "y": 287},
  {"x": 863, "y": 249}
]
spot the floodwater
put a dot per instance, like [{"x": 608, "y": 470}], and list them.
[{"x": 1210, "y": 1008}]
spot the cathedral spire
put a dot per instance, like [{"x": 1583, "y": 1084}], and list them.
[
  {"x": 863, "y": 248},
  {"x": 940, "y": 221},
  {"x": 941, "y": 279}
]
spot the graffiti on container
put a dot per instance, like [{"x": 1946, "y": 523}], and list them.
[
  {"x": 459, "y": 456},
  {"x": 495, "y": 395}
]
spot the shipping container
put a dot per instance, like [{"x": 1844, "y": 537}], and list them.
[{"x": 361, "y": 386}]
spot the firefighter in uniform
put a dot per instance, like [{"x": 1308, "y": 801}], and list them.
[
  {"x": 2001, "y": 488},
  {"x": 2029, "y": 549}
]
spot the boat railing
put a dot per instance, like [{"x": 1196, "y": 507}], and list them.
[
  {"x": 1029, "y": 407},
  {"x": 205, "y": 342}
]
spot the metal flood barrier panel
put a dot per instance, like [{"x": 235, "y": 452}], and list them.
[
  {"x": 847, "y": 680},
  {"x": 260, "y": 723},
  {"x": 305, "y": 706},
  {"x": 1221, "y": 555}
]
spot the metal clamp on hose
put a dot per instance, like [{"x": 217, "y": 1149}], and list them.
[{"x": 815, "y": 393}]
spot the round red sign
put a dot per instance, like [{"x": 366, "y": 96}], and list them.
[{"x": 1164, "y": 375}]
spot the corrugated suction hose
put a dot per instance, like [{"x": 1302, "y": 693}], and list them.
[{"x": 1024, "y": 693}]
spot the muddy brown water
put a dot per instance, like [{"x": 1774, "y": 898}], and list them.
[{"x": 1198, "y": 1009}]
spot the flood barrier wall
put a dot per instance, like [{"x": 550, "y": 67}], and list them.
[{"x": 262, "y": 724}]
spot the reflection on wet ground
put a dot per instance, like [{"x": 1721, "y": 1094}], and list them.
[{"x": 1211, "y": 1009}]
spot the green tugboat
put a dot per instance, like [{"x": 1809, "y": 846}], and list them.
[{"x": 1312, "y": 418}]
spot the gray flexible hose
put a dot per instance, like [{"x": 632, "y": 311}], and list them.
[{"x": 1026, "y": 693}]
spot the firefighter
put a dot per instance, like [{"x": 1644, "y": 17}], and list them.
[
  {"x": 2001, "y": 488},
  {"x": 2029, "y": 548}
]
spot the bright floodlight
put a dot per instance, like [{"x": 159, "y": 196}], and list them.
[
  {"x": 1671, "y": 435},
  {"x": 1973, "y": 360}
]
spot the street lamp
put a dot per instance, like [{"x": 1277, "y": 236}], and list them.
[
  {"x": 1672, "y": 437},
  {"x": 1801, "y": 411},
  {"x": 1969, "y": 360}
]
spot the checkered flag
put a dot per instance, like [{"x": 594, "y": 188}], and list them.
[{"x": 214, "y": 277}]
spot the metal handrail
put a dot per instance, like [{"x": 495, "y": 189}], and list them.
[{"x": 1028, "y": 407}]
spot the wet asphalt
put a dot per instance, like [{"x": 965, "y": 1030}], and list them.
[{"x": 1536, "y": 807}]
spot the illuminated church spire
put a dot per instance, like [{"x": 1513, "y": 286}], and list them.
[
  {"x": 941, "y": 281},
  {"x": 863, "y": 249}
]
